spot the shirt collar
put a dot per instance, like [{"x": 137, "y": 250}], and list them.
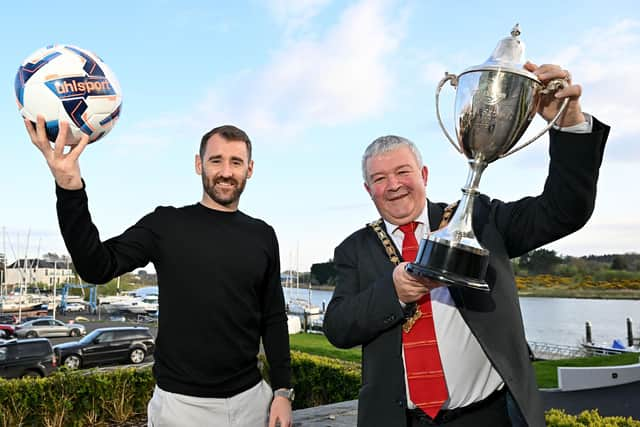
[{"x": 423, "y": 219}]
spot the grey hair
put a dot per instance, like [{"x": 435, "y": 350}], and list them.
[{"x": 385, "y": 144}]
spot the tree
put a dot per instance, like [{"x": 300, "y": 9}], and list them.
[
  {"x": 619, "y": 262},
  {"x": 540, "y": 261},
  {"x": 323, "y": 273},
  {"x": 51, "y": 256}
]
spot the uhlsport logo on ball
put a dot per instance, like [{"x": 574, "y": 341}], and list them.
[{"x": 67, "y": 83}]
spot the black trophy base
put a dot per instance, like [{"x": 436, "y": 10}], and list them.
[{"x": 451, "y": 265}]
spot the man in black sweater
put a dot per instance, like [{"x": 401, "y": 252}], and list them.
[{"x": 220, "y": 264}]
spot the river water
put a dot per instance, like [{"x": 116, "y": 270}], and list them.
[{"x": 553, "y": 320}]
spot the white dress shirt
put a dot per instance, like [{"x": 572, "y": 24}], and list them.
[
  {"x": 469, "y": 375},
  {"x": 584, "y": 127}
]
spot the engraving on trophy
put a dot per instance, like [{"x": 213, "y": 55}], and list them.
[
  {"x": 486, "y": 117},
  {"x": 493, "y": 98}
]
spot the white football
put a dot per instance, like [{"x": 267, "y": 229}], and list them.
[{"x": 67, "y": 83}]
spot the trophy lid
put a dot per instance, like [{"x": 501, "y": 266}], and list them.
[{"x": 507, "y": 56}]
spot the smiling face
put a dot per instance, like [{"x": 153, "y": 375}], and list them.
[
  {"x": 396, "y": 183},
  {"x": 225, "y": 168}
]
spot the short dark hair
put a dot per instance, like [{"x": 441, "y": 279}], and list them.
[{"x": 228, "y": 132}]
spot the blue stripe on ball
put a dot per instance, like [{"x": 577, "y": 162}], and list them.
[{"x": 52, "y": 127}]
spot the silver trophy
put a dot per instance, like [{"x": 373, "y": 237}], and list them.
[{"x": 494, "y": 104}]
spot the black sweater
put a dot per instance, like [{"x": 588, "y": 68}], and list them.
[{"x": 219, "y": 291}]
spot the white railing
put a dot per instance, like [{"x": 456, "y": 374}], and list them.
[{"x": 542, "y": 350}]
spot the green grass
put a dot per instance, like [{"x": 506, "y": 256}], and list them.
[
  {"x": 319, "y": 345},
  {"x": 547, "y": 374},
  {"x": 546, "y": 371}
]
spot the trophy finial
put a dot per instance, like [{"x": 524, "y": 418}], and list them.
[
  {"x": 509, "y": 52},
  {"x": 515, "y": 32}
]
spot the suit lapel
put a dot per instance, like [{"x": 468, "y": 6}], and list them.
[{"x": 435, "y": 215}]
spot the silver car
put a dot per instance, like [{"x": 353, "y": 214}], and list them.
[{"x": 49, "y": 328}]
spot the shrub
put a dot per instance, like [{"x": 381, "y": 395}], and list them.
[
  {"x": 558, "y": 418},
  {"x": 321, "y": 380},
  {"x": 74, "y": 398}
]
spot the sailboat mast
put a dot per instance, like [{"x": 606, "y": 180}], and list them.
[
  {"x": 297, "y": 271},
  {"x": 4, "y": 262},
  {"x": 24, "y": 278},
  {"x": 55, "y": 285}
]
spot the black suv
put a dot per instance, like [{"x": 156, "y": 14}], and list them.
[
  {"x": 26, "y": 358},
  {"x": 107, "y": 345}
]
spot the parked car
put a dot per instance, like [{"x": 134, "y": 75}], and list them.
[
  {"x": 7, "y": 331},
  {"x": 127, "y": 344},
  {"x": 25, "y": 358},
  {"x": 8, "y": 318},
  {"x": 35, "y": 315},
  {"x": 74, "y": 307},
  {"x": 47, "y": 327}
]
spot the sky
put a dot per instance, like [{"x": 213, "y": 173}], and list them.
[{"x": 312, "y": 82}]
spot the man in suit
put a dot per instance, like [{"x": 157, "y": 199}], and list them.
[{"x": 479, "y": 372}]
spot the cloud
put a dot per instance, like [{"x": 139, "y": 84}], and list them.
[
  {"x": 343, "y": 74},
  {"x": 339, "y": 77},
  {"x": 294, "y": 15},
  {"x": 605, "y": 62},
  {"x": 139, "y": 138},
  {"x": 434, "y": 71},
  {"x": 30, "y": 243},
  {"x": 612, "y": 237}
]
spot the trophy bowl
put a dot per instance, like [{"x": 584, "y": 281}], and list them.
[
  {"x": 495, "y": 103},
  {"x": 493, "y": 110}
]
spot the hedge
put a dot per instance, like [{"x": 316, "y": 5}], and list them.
[
  {"x": 78, "y": 398},
  {"x": 558, "y": 418},
  {"x": 99, "y": 398},
  {"x": 320, "y": 380},
  {"x": 69, "y": 398}
]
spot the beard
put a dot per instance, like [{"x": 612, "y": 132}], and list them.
[{"x": 227, "y": 196}]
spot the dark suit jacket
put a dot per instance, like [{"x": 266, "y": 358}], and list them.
[{"x": 365, "y": 309}]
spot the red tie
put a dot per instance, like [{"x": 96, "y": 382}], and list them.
[{"x": 427, "y": 386}]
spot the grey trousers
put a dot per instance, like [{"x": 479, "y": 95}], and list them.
[{"x": 247, "y": 409}]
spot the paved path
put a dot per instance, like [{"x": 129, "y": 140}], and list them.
[
  {"x": 621, "y": 400},
  {"x": 341, "y": 414}
]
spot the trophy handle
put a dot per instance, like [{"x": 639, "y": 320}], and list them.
[
  {"x": 552, "y": 86},
  {"x": 454, "y": 82}
]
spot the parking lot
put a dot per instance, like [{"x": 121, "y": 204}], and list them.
[
  {"x": 93, "y": 322},
  {"x": 102, "y": 321}
]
